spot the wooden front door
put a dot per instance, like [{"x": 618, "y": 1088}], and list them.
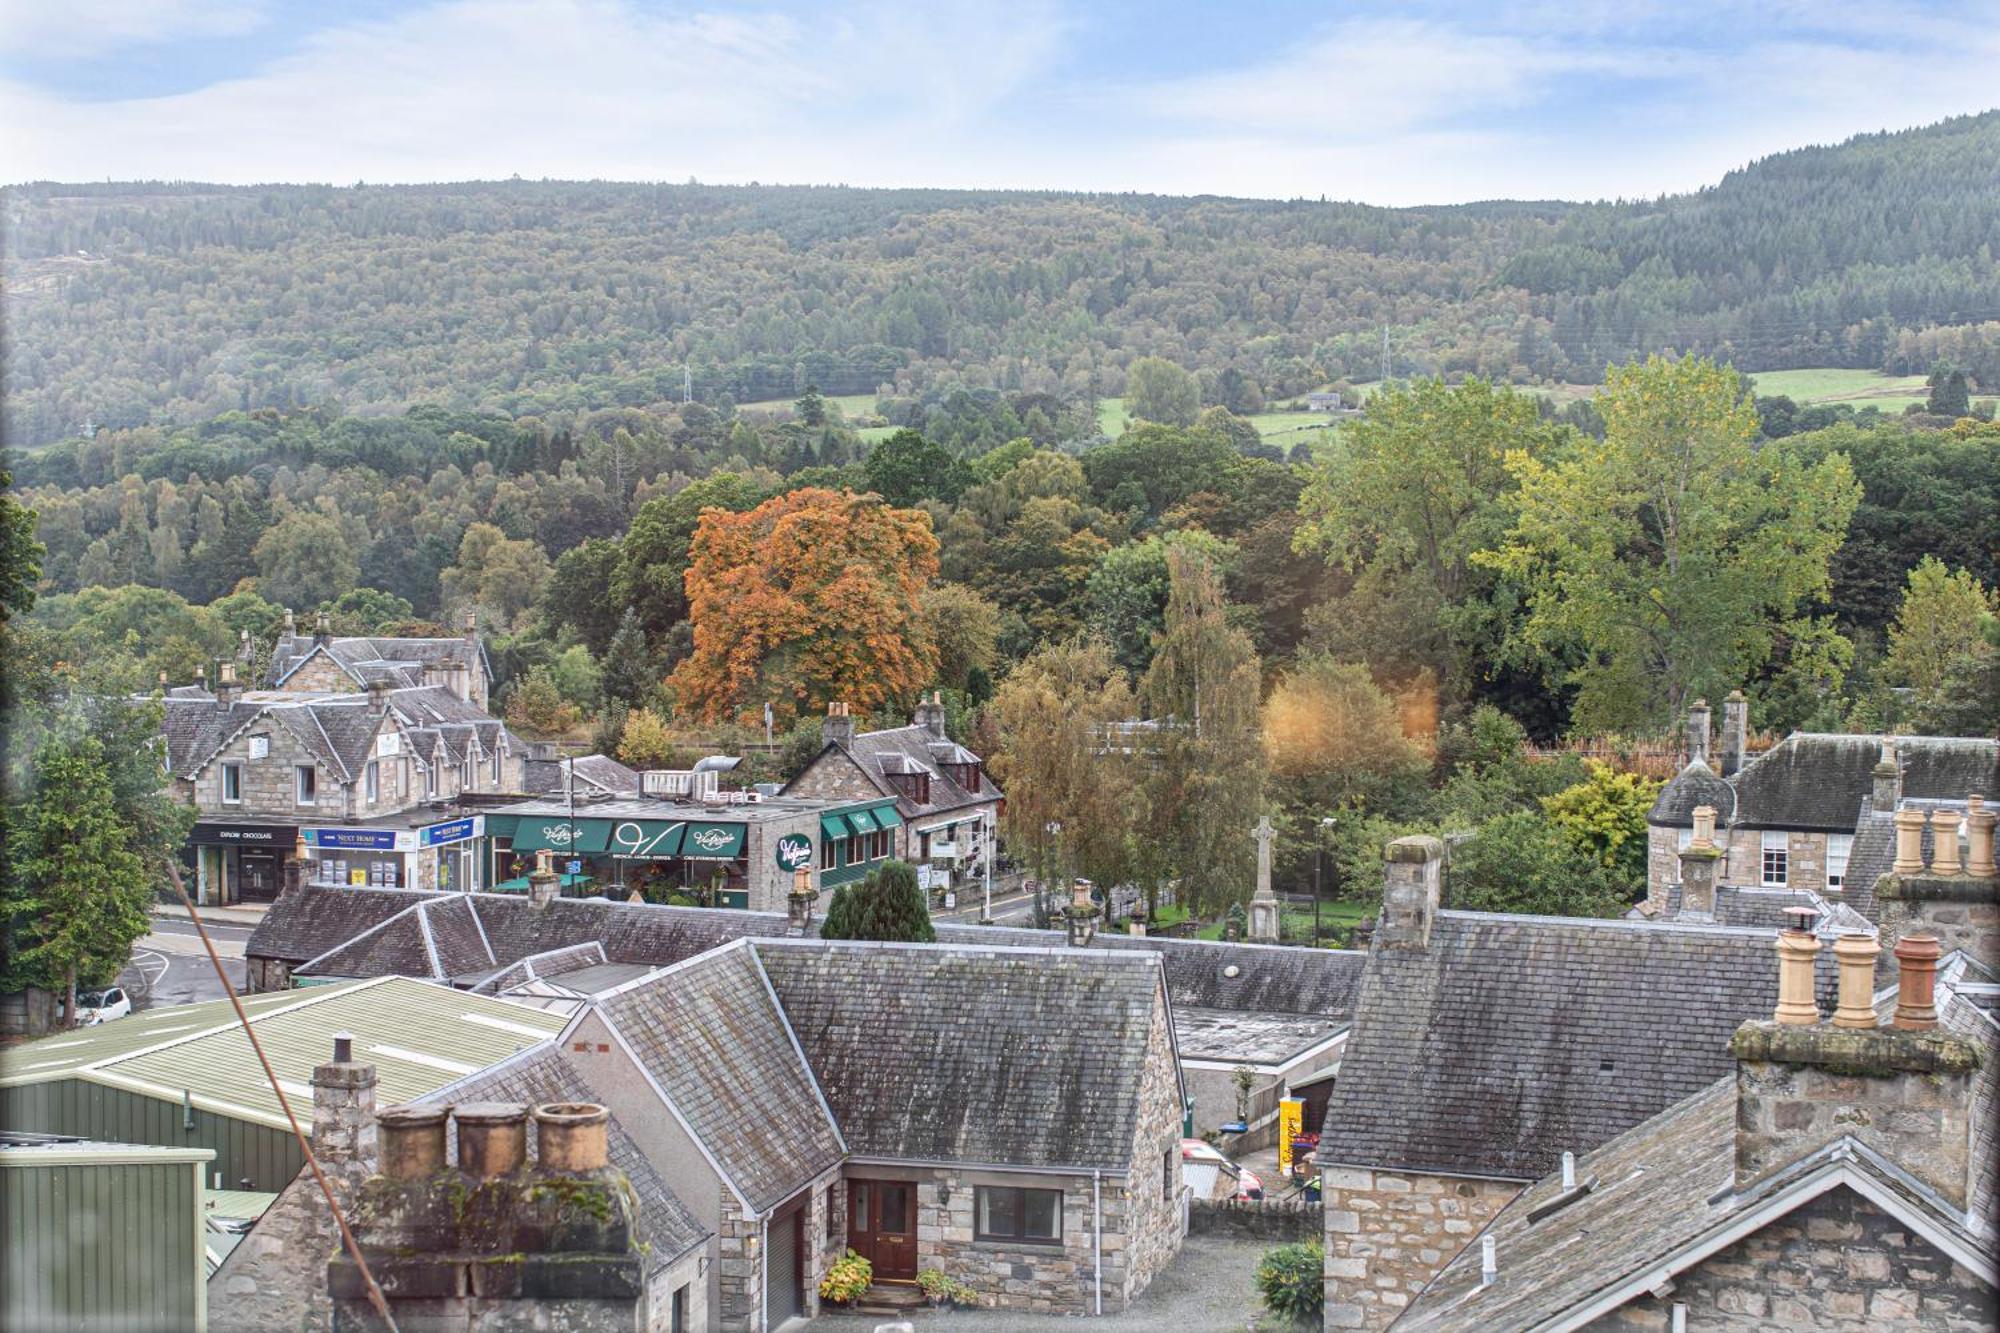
[{"x": 882, "y": 1226}]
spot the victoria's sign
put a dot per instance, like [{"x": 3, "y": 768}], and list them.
[
  {"x": 647, "y": 839},
  {"x": 711, "y": 839},
  {"x": 794, "y": 851}
]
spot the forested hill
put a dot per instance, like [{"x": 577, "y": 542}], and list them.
[{"x": 133, "y": 303}]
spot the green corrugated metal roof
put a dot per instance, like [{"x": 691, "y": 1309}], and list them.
[
  {"x": 239, "y": 1204},
  {"x": 418, "y": 1036},
  {"x": 53, "y": 1057}
]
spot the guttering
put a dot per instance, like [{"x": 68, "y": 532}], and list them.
[
  {"x": 955, "y": 1164},
  {"x": 1097, "y": 1242}
]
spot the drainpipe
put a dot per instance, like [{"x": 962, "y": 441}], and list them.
[{"x": 1097, "y": 1240}]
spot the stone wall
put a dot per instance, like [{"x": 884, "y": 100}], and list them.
[
  {"x": 739, "y": 1270},
  {"x": 1266, "y": 1219},
  {"x": 269, "y": 787},
  {"x": 835, "y": 777},
  {"x": 1663, "y": 863},
  {"x": 684, "y": 1274},
  {"x": 1838, "y": 1262},
  {"x": 1389, "y": 1232},
  {"x": 1045, "y": 1279},
  {"x": 1963, "y": 912},
  {"x": 319, "y": 675},
  {"x": 1152, "y": 1223},
  {"x": 263, "y": 975}
]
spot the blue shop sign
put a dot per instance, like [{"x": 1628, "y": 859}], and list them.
[
  {"x": 457, "y": 830},
  {"x": 353, "y": 839}
]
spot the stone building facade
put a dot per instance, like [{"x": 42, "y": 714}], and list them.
[{"x": 1388, "y": 1233}]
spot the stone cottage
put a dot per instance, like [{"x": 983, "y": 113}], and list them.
[
  {"x": 1787, "y": 818},
  {"x": 1484, "y": 1047},
  {"x": 323, "y": 663},
  {"x": 804, "y": 1098},
  {"x": 1841, "y": 1175},
  {"x": 950, "y": 805}
]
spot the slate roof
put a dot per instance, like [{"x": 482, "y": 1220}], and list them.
[
  {"x": 1249, "y": 1038},
  {"x": 337, "y": 730},
  {"x": 311, "y": 921},
  {"x": 540, "y": 1074},
  {"x": 195, "y": 728},
  {"x": 606, "y": 774},
  {"x": 712, "y": 1038},
  {"x": 1511, "y": 1039},
  {"x": 915, "y": 749},
  {"x": 1665, "y": 1184},
  {"x": 1815, "y": 781},
  {"x": 400, "y": 660},
  {"x": 1047, "y": 1074}
]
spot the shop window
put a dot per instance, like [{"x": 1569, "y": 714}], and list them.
[
  {"x": 1838, "y": 847},
  {"x": 1777, "y": 858},
  {"x": 232, "y": 784},
  {"x": 1032, "y": 1217},
  {"x": 827, "y": 848},
  {"x": 305, "y": 780}
]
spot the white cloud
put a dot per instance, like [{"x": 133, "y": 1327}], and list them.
[{"x": 68, "y": 28}]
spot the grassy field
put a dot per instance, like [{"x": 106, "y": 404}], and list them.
[
  {"x": 1861, "y": 388},
  {"x": 851, "y": 405}
]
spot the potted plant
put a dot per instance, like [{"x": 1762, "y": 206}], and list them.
[
  {"x": 943, "y": 1291},
  {"x": 847, "y": 1279}
]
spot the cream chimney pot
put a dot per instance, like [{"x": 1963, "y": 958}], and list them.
[
  {"x": 1979, "y": 823},
  {"x": 1704, "y": 826},
  {"x": 1796, "y": 951},
  {"x": 1909, "y": 843},
  {"x": 1944, "y": 841},
  {"x": 1856, "y": 952}
]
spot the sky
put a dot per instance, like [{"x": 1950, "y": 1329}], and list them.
[{"x": 1386, "y": 103}]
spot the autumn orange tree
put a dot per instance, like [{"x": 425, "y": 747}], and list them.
[{"x": 810, "y": 597}]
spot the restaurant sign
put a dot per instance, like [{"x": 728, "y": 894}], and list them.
[{"x": 794, "y": 851}]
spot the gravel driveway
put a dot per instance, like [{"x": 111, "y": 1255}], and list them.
[{"x": 1207, "y": 1289}]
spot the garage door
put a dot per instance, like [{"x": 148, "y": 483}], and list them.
[{"x": 786, "y": 1292}]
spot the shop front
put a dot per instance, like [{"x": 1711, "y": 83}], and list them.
[
  {"x": 357, "y": 857},
  {"x": 855, "y": 840},
  {"x": 951, "y": 853},
  {"x": 239, "y": 863}
]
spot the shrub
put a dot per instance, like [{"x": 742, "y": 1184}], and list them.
[
  {"x": 1289, "y": 1279},
  {"x": 941, "y": 1289},
  {"x": 847, "y": 1279}
]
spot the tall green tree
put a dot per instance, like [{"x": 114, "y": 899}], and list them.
[
  {"x": 1948, "y": 394},
  {"x": 630, "y": 674},
  {"x": 304, "y": 559},
  {"x": 20, "y": 553},
  {"x": 1670, "y": 554},
  {"x": 1157, "y": 390},
  {"x": 887, "y": 904},
  {"x": 906, "y": 469},
  {"x": 1941, "y": 619}
]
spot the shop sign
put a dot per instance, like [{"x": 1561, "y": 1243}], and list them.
[
  {"x": 794, "y": 851},
  {"x": 713, "y": 842},
  {"x": 1291, "y": 1120},
  {"x": 457, "y": 830},
  {"x": 647, "y": 839},
  {"x": 249, "y": 835},
  {"x": 361, "y": 839}
]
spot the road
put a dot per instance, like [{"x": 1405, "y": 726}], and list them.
[
  {"x": 170, "y": 967},
  {"x": 1011, "y": 907}
]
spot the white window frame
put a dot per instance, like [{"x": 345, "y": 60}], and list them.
[
  {"x": 234, "y": 770},
  {"x": 1839, "y": 848},
  {"x": 373, "y": 781},
  {"x": 1774, "y": 859},
  {"x": 305, "y": 784}
]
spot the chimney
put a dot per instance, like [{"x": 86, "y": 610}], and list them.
[
  {"x": 1698, "y": 733},
  {"x": 291, "y": 623},
  {"x": 1887, "y": 792},
  {"x": 544, "y": 886},
  {"x": 1699, "y": 861},
  {"x": 1081, "y": 916},
  {"x": 494, "y": 1241},
  {"x": 227, "y": 690},
  {"x": 1979, "y": 822},
  {"x": 295, "y": 869},
  {"x": 1489, "y": 1261},
  {"x": 322, "y": 630},
  {"x": 1944, "y": 840},
  {"x": 343, "y": 1109},
  {"x": 1956, "y": 901},
  {"x": 838, "y": 728},
  {"x": 1909, "y": 843},
  {"x": 1797, "y": 1007},
  {"x": 799, "y": 903},
  {"x": 472, "y": 633},
  {"x": 1735, "y": 731},
  {"x": 930, "y": 716},
  {"x": 243, "y": 650},
  {"x": 1412, "y": 880},
  {"x": 378, "y": 694},
  {"x": 1904, "y": 1090}
]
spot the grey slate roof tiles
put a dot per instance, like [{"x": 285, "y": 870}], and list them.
[
  {"x": 1511, "y": 1039},
  {"x": 914, "y": 748},
  {"x": 974, "y": 1055},
  {"x": 400, "y": 660},
  {"x": 710, "y": 1035},
  {"x": 1816, "y": 780}
]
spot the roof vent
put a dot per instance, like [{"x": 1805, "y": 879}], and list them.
[{"x": 1489, "y": 1262}]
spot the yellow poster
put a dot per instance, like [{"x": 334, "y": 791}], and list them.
[{"x": 1291, "y": 1121}]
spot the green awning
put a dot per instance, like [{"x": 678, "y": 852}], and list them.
[
  {"x": 519, "y": 884},
  {"x": 560, "y": 834},
  {"x": 886, "y": 817},
  {"x": 859, "y": 821},
  {"x": 833, "y": 826},
  {"x": 712, "y": 842},
  {"x": 647, "y": 839},
  {"x": 502, "y": 826}
]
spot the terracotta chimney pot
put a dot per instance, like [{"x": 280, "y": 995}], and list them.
[
  {"x": 1944, "y": 841},
  {"x": 492, "y": 1138},
  {"x": 1909, "y": 843},
  {"x": 411, "y": 1140},
  {"x": 573, "y": 1137},
  {"x": 1916, "y": 982},
  {"x": 1796, "y": 951},
  {"x": 1856, "y": 952},
  {"x": 1979, "y": 823}
]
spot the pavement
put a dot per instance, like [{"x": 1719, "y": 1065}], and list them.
[{"x": 1210, "y": 1287}]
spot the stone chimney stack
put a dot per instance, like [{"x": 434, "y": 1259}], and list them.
[
  {"x": 291, "y": 623},
  {"x": 930, "y": 715},
  {"x": 838, "y": 728},
  {"x": 544, "y": 885},
  {"x": 1698, "y": 732},
  {"x": 1700, "y": 860},
  {"x": 472, "y": 635},
  {"x": 343, "y": 1110},
  {"x": 1735, "y": 732},
  {"x": 1081, "y": 915},
  {"x": 1887, "y": 792},
  {"x": 322, "y": 630},
  {"x": 799, "y": 903},
  {"x": 501, "y": 1242},
  {"x": 244, "y": 653},
  {"x": 1904, "y": 1090},
  {"x": 1930, "y": 890},
  {"x": 378, "y": 694},
  {"x": 227, "y": 689},
  {"x": 1412, "y": 883}
]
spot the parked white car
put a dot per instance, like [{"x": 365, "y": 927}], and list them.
[
  {"x": 1210, "y": 1175},
  {"x": 101, "y": 1006}
]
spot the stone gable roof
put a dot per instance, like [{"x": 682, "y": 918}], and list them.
[
  {"x": 540, "y": 1074},
  {"x": 1046, "y": 1074},
  {"x": 1815, "y": 781},
  {"x": 916, "y": 749},
  {"x": 1511, "y": 1039},
  {"x": 440, "y": 938},
  {"x": 399, "y": 660},
  {"x": 712, "y": 1038},
  {"x": 197, "y": 727}
]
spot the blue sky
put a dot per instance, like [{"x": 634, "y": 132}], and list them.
[{"x": 1386, "y": 103}]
